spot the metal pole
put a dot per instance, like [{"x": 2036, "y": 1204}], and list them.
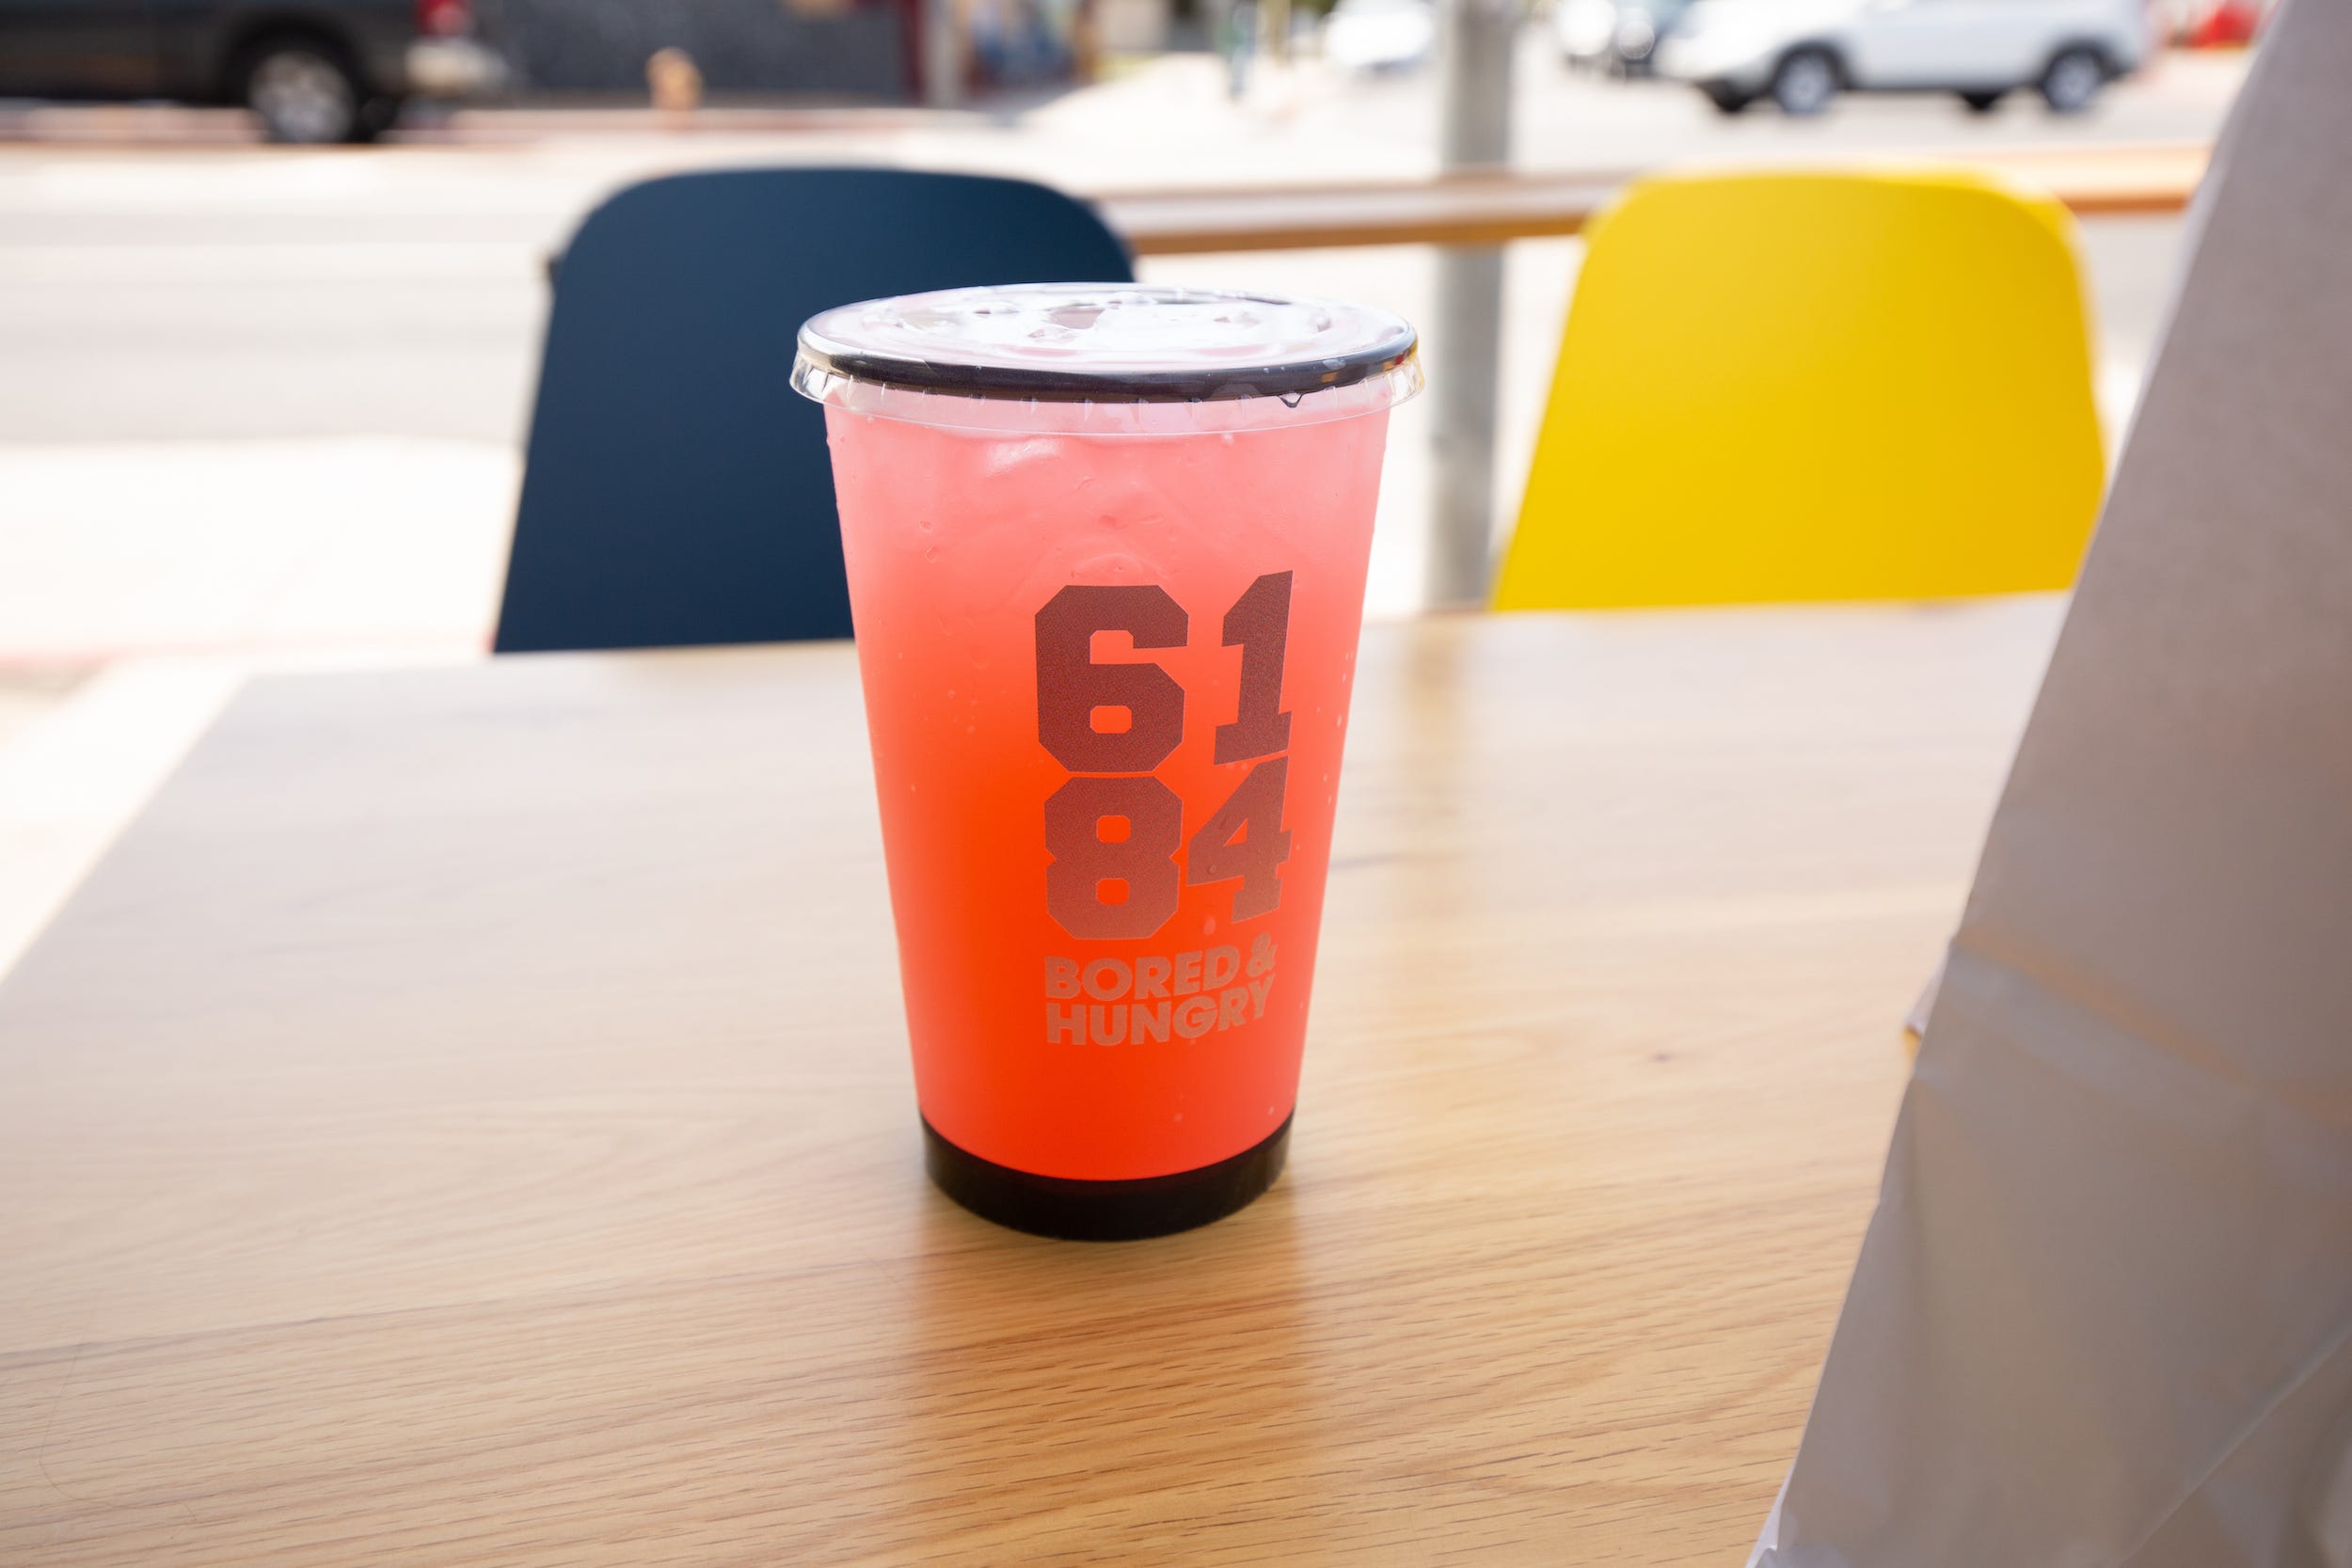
[
  {"x": 1465, "y": 344},
  {"x": 942, "y": 53}
]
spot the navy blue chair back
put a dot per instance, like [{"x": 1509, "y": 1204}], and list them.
[{"x": 676, "y": 488}]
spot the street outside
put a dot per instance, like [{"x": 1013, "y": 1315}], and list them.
[{"x": 266, "y": 406}]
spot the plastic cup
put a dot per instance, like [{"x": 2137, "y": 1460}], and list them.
[{"x": 1106, "y": 548}]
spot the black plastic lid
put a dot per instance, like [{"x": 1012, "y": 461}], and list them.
[{"x": 1107, "y": 343}]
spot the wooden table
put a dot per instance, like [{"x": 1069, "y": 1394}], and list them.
[
  {"x": 467, "y": 1121},
  {"x": 1477, "y": 208}
]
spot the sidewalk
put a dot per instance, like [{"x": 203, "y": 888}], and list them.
[{"x": 379, "y": 546}]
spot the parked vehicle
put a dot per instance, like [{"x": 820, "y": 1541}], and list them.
[
  {"x": 314, "y": 71},
  {"x": 1619, "y": 37},
  {"x": 1380, "y": 35},
  {"x": 1803, "y": 53},
  {"x": 1642, "y": 26}
]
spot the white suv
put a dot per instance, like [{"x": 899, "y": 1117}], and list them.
[{"x": 1805, "y": 52}]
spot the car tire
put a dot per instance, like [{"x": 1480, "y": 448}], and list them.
[
  {"x": 1727, "y": 100},
  {"x": 303, "y": 92},
  {"x": 1983, "y": 102},
  {"x": 2072, "y": 83},
  {"x": 1805, "y": 83}
]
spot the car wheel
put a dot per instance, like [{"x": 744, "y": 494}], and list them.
[
  {"x": 1727, "y": 100},
  {"x": 1805, "y": 83},
  {"x": 2073, "y": 82},
  {"x": 302, "y": 93},
  {"x": 1983, "y": 102}
]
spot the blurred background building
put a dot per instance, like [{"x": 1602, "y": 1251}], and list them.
[{"x": 569, "y": 49}]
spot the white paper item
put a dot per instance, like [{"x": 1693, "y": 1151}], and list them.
[{"x": 2103, "y": 1318}]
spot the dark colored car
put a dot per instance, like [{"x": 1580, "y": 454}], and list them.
[{"x": 314, "y": 71}]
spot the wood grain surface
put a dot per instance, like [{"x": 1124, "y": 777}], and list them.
[{"x": 467, "y": 1121}]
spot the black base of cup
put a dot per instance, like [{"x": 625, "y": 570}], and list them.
[{"x": 1129, "y": 1211}]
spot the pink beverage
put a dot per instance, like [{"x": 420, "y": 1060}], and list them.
[{"x": 1106, "y": 549}]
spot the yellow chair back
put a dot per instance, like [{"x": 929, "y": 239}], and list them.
[{"x": 1811, "y": 386}]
